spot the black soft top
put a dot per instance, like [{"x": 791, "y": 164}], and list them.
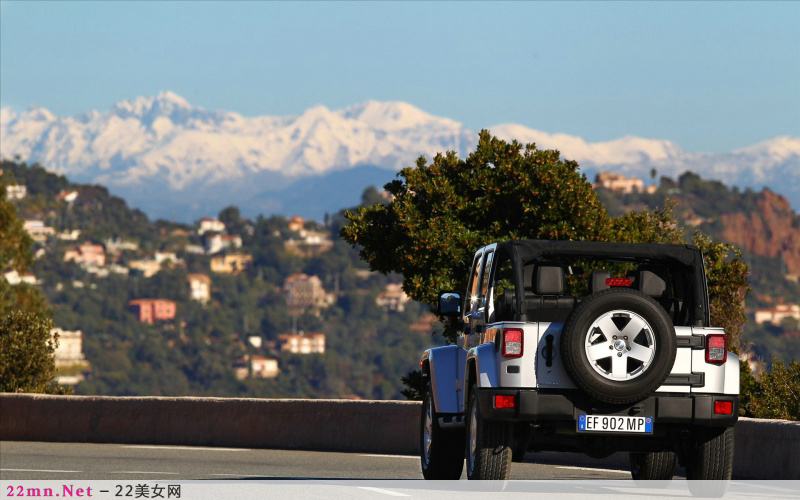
[
  {"x": 522, "y": 251},
  {"x": 688, "y": 255}
]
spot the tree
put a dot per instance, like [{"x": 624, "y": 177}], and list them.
[
  {"x": 443, "y": 211},
  {"x": 26, "y": 348},
  {"x": 27, "y": 351}
]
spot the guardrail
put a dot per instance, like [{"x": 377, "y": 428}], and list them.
[{"x": 765, "y": 449}]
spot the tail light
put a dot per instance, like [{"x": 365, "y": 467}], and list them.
[
  {"x": 723, "y": 407},
  {"x": 716, "y": 348},
  {"x": 512, "y": 342},
  {"x": 504, "y": 401},
  {"x": 619, "y": 282}
]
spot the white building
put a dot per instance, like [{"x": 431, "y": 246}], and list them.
[
  {"x": 70, "y": 347},
  {"x": 16, "y": 192},
  {"x": 208, "y": 224},
  {"x": 303, "y": 343},
  {"x": 778, "y": 313}
]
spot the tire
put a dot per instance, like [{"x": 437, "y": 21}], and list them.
[
  {"x": 656, "y": 466},
  {"x": 618, "y": 346},
  {"x": 713, "y": 458},
  {"x": 441, "y": 450},
  {"x": 488, "y": 444}
]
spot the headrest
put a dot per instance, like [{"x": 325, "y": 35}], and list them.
[
  {"x": 597, "y": 281},
  {"x": 548, "y": 280},
  {"x": 649, "y": 283}
]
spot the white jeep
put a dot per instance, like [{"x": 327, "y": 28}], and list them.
[{"x": 581, "y": 347}]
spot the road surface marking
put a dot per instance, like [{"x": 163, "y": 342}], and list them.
[
  {"x": 239, "y": 475},
  {"x": 591, "y": 469},
  {"x": 141, "y": 472},
  {"x": 381, "y": 490},
  {"x": 415, "y": 457},
  {"x": 187, "y": 448},
  {"x": 754, "y": 484},
  {"x": 38, "y": 470}
]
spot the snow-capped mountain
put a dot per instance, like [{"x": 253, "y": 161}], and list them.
[{"x": 175, "y": 159}]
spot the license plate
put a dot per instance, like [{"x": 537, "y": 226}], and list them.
[{"x": 613, "y": 423}]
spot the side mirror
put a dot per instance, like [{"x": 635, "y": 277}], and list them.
[{"x": 449, "y": 304}]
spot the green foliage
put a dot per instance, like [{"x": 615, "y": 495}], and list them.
[
  {"x": 748, "y": 389},
  {"x": 27, "y": 362},
  {"x": 726, "y": 274},
  {"x": 16, "y": 244},
  {"x": 413, "y": 385},
  {"x": 778, "y": 393},
  {"x": 443, "y": 211}
]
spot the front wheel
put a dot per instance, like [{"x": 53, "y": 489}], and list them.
[
  {"x": 488, "y": 444},
  {"x": 441, "y": 450}
]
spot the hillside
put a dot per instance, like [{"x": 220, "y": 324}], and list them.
[
  {"x": 99, "y": 262},
  {"x": 181, "y": 161},
  {"x": 761, "y": 223},
  {"x": 221, "y": 345}
]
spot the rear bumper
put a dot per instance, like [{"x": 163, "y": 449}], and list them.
[{"x": 541, "y": 406}]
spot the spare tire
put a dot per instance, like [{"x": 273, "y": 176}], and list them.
[{"x": 618, "y": 345}]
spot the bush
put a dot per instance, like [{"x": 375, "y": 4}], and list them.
[
  {"x": 27, "y": 354},
  {"x": 778, "y": 393}
]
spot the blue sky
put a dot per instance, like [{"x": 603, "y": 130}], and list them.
[{"x": 711, "y": 76}]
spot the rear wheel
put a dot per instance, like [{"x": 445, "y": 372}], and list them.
[
  {"x": 713, "y": 458},
  {"x": 710, "y": 469},
  {"x": 658, "y": 466},
  {"x": 488, "y": 444},
  {"x": 441, "y": 450}
]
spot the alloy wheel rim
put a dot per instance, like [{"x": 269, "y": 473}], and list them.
[{"x": 620, "y": 345}]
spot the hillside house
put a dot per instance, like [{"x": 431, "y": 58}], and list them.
[
  {"x": 303, "y": 343},
  {"x": 778, "y": 313},
  {"x": 621, "y": 184},
  {"x": 260, "y": 366},
  {"x": 150, "y": 267},
  {"x": 303, "y": 291},
  {"x": 14, "y": 278},
  {"x": 68, "y": 196},
  {"x": 151, "y": 310},
  {"x": 67, "y": 235},
  {"x": 296, "y": 224},
  {"x": 70, "y": 347},
  {"x": 232, "y": 263},
  {"x": 16, "y": 191},
  {"x": 87, "y": 254},
  {"x": 216, "y": 243},
  {"x": 393, "y": 299},
  {"x": 200, "y": 287},
  {"x": 264, "y": 367},
  {"x": 117, "y": 245},
  {"x": 37, "y": 230},
  {"x": 147, "y": 267},
  {"x": 210, "y": 224},
  {"x": 310, "y": 244}
]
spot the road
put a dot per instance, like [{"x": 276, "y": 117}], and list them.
[
  {"x": 110, "y": 471},
  {"x": 74, "y": 461}
]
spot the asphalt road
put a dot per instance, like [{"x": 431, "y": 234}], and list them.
[
  {"x": 112, "y": 471},
  {"x": 78, "y": 461}
]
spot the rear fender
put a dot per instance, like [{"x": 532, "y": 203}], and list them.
[
  {"x": 482, "y": 368},
  {"x": 440, "y": 364}
]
